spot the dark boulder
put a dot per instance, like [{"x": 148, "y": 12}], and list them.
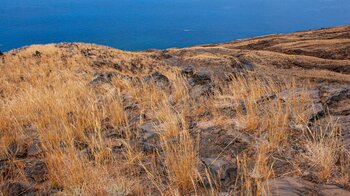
[
  {"x": 113, "y": 133},
  {"x": 34, "y": 149},
  {"x": 37, "y": 54},
  {"x": 187, "y": 71},
  {"x": 295, "y": 186},
  {"x": 17, "y": 189},
  {"x": 102, "y": 78},
  {"x": 6, "y": 170},
  {"x": 36, "y": 170},
  {"x": 148, "y": 132},
  {"x": 248, "y": 67},
  {"x": 100, "y": 63},
  {"x": 165, "y": 55},
  {"x": 221, "y": 170},
  {"x": 200, "y": 78},
  {"x": 80, "y": 145},
  {"x": 117, "y": 67},
  {"x": 240, "y": 68},
  {"x": 117, "y": 146},
  {"x": 201, "y": 90},
  {"x": 148, "y": 147},
  {"x": 158, "y": 78},
  {"x": 17, "y": 151}
]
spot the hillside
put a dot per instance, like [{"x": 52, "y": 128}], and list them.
[{"x": 263, "y": 116}]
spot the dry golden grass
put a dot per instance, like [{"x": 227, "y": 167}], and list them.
[
  {"x": 53, "y": 101},
  {"x": 324, "y": 148},
  {"x": 252, "y": 181}
]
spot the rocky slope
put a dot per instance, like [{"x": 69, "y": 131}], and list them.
[
  {"x": 315, "y": 64},
  {"x": 301, "y": 52}
]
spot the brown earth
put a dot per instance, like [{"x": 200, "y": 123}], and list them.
[{"x": 318, "y": 58}]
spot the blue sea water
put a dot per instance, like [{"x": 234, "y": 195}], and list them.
[{"x": 145, "y": 24}]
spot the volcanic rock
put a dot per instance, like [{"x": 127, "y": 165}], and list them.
[
  {"x": 221, "y": 169},
  {"x": 36, "y": 170}
]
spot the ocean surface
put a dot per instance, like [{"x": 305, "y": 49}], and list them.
[{"x": 146, "y": 24}]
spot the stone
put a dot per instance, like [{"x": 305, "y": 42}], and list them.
[
  {"x": 17, "y": 189},
  {"x": 293, "y": 186},
  {"x": 148, "y": 132},
  {"x": 200, "y": 78},
  {"x": 314, "y": 107},
  {"x": 187, "y": 71},
  {"x": 80, "y": 145},
  {"x": 314, "y": 112},
  {"x": 342, "y": 122},
  {"x": 240, "y": 136},
  {"x": 34, "y": 149},
  {"x": 6, "y": 171},
  {"x": 102, "y": 78},
  {"x": 100, "y": 63},
  {"x": 332, "y": 94},
  {"x": 117, "y": 146},
  {"x": 148, "y": 147},
  {"x": 129, "y": 102},
  {"x": 340, "y": 108},
  {"x": 112, "y": 133},
  {"x": 117, "y": 67},
  {"x": 1, "y": 53},
  {"x": 36, "y": 170},
  {"x": 16, "y": 151},
  {"x": 248, "y": 67},
  {"x": 221, "y": 169},
  {"x": 337, "y": 98},
  {"x": 158, "y": 78},
  {"x": 266, "y": 98},
  {"x": 87, "y": 153},
  {"x": 201, "y": 90},
  {"x": 333, "y": 190},
  {"x": 165, "y": 55},
  {"x": 87, "y": 52},
  {"x": 288, "y": 186},
  {"x": 312, "y": 95},
  {"x": 37, "y": 54}
]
